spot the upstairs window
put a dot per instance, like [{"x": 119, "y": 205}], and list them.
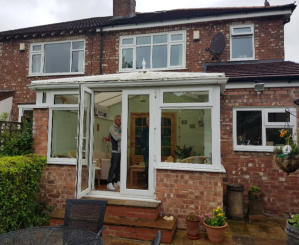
[
  {"x": 156, "y": 51},
  {"x": 242, "y": 42},
  {"x": 57, "y": 58}
]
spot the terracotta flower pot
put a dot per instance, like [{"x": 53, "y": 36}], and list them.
[
  {"x": 193, "y": 229},
  {"x": 215, "y": 233}
]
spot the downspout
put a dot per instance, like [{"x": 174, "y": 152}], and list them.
[{"x": 101, "y": 50}]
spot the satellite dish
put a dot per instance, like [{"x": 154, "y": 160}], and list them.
[{"x": 217, "y": 45}]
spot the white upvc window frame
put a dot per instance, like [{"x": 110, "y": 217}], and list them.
[
  {"x": 251, "y": 33},
  {"x": 214, "y": 105},
  {"x": 265, "y": 124},
  {"x": 151, "y": 35},
  {"x": 53, "y": 107},
  {"x": 42, "y": 53}
]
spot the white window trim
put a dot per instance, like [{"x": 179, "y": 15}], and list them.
[
  {"x": 169, "y": 44},
  {"x": 245, "y": 34},
  {"x": 214, "y": 106},
  {"x": 265, "y": 124},
  {"x": 23, "y": 108},
  {"x": 54, "y": 107},
  {"x": 41, "y": 52}
]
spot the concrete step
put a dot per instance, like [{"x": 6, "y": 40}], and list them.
[{"x": 140, "y": 229}]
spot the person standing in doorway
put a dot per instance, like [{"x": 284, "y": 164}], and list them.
[{"x": 114, "y": 171}]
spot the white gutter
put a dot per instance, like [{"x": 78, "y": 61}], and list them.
[{"x": 195, "y": 20}]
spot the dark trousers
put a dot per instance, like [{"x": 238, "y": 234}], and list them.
[{"x": 114, "y": 171}]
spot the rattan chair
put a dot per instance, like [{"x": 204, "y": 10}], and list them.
[
  {"x": 157, "y": 239},
  {"x": 85, "y": 214}
]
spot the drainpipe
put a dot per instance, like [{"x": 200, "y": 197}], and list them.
[{"x": 101, "y": 50}]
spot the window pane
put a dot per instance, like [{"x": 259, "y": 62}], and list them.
[
  {"x": 143, "y": 40},
  {"x": 249, "y": 128},
  {"x": 57, "y": 57},
  {"x": 176, "y": 55},
  {"x": 176, "y": 37},
  {"x": 160, "y": 56},
  {"x": 36, "y": 63},
  {"x": 278, "y": 117},
  {"x": 66, "y": 99},
  {"x": 143, "y": 53},
  {"x": 64, "y": 134},
  {"x": 186, "y": 97},
  {"x": 160, "y": 39},
  {"x": 77, "y": 61},
  {"x": 127, "y": 41},
  {"x": 78, "y": 45},
  {"x": 241, "y": 30},
  {"x": 186, "y": 136},
  {"x": 273, "y": 136},
  {"x": 127, "y": 58},
  {"x": 37, "y": 47},
  {"x": 242, "y": 47}
]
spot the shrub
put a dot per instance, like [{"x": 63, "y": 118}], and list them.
[
  {"x": 254, "y": 188},
  {"x": 218, "y": 218},
  {"x": 18, "y": 143},
  {"x": 19, "y": 185}
]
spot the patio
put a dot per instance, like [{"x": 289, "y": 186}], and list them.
[{"x": 255, "y": 232}]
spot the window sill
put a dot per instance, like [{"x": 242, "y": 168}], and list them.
[
  {"x": 56, "y": 74},
  {"x": 255, "y": 148},
  {"x": 160, "y": 69},
  {"x": 242, "y": 59},
  {"x": 62, "y": 161},
  {"x": 191, "y": 167}
]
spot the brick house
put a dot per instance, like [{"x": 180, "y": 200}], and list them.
[{"x": 214, "y": 110}]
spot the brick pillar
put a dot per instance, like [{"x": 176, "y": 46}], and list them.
[
  {"x": 40, "y": 131},
  {"x": 124, "y": 8}
]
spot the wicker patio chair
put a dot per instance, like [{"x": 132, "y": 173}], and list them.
[
  {"x": 157, "y": 239},
  {"x": 85, "y": 214}
]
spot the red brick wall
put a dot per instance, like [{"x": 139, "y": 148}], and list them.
[
  {"x": 256, "y": 168},
  {"x": 182, "y": 192}
]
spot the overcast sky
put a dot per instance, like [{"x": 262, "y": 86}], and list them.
[{"x": 16, "y": 14}]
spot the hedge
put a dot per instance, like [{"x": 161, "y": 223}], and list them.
[{"x": 19, "y": 186}]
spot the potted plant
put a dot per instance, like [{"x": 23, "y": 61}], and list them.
[
  {"x": 216, "y": 225},
  {"x": 182, "y": 152},
  {"x": 292, "y": 230},
  {"x": 255, "y": 201},
  {"x": 193, "y": 225},
  {"x": 286, "y": 157}
]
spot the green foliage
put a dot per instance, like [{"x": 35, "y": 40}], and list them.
[
  {"x": 183, "y": 152},
  {"x": 294, "y": 220},
  {"x": 286, "y": 135},
  {"x": 4, "y": 116},
  {"x": 18, "y": 143},
  {"x": 254, "y": 188},
  {"x": 192, "y": 217},
  {"x": 218, "y": 218},
  {"x": 19, "y": 186}
]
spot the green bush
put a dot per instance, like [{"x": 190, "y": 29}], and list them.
[
  {"x": 19, "y": 186},
  {"x": 19, "y": 143}
]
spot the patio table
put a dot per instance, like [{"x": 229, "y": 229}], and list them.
[{"x": 58, "y": 235}]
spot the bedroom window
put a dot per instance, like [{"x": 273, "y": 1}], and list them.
[
  {"x": 158, "y": 51},
  {"x": 57, "y": 58}
]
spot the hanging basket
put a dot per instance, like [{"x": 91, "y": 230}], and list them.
[{"x": 288, "y": 164}]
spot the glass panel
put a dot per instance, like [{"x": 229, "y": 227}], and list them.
[
  {"x": 138, "y": 142},
  {"x": 242, "y": 30},
  {"x": 78, "y": 45},
  {"x": 57, "y": 57},
  {"x": 249, "y": 127},
  {"x": 66, "y": 99},
  {"x": 36, "y": 63},
  {"x": 186, "y": 136},
  {"x": 27, "y": 116},
  {"x": 176, "y": 37},
  {"x": 127, "y": 41},
  {"x": 37, "y": 47},
  {"x": 176, "y": 55},
  {"x": 186, "y": 97},
  {"x": 143, "y": 40},
  {"x": 64, "y": 133},
  {"x": 160, "y": 39},
  {"x": 127, "y": 58},
  {"x": 242, "y": 47},
  {"x": 77, "y": 61},
  {"x": 86, "y": 140},
  {"x": 143, "y": 53},
  {"x": 278, "y": 117},
  {"x": 273, "y": 136},
  {"x": 160, "y": 56}
]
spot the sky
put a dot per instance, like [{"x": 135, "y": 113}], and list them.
[{"x": 16, "y": 14}]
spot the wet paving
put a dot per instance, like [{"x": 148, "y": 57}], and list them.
[{"x": 268, "y": 231}]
